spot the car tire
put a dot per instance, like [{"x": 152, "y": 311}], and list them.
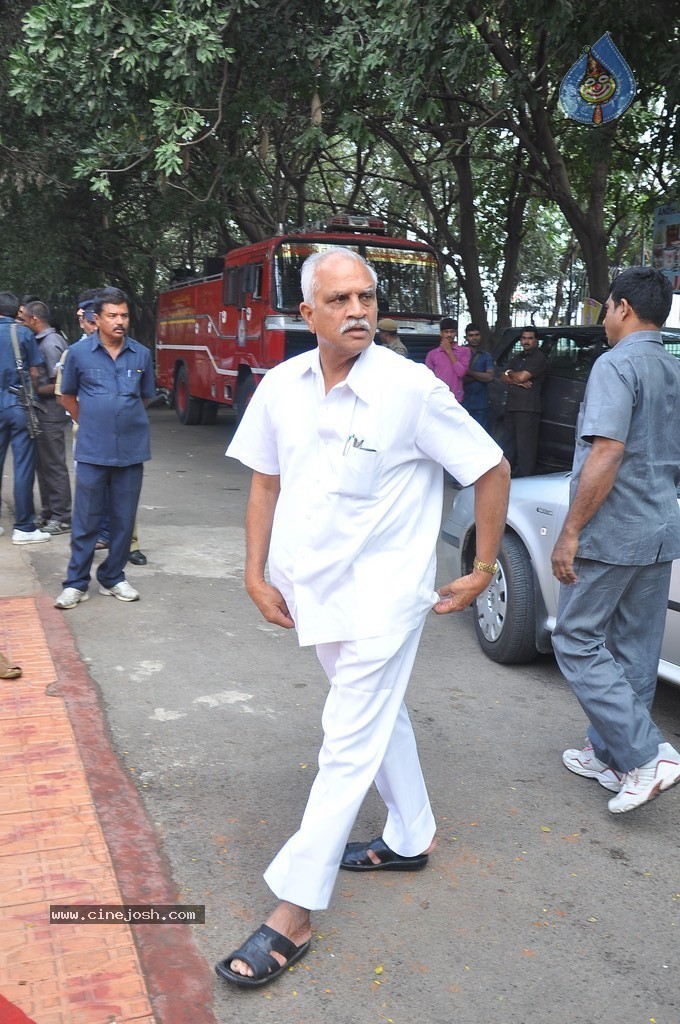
[
  {"x": 505, "y": 617},
  {"x": 187, "y": 407}
]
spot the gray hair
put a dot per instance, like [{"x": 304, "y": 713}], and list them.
[{"x": 310, "y": 268}]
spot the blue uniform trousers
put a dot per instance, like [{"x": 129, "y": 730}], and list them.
[
  {"x": 98, "y": 488},
  {"x": 607, "y": 642},
  {"x": 13, "y": 432}
]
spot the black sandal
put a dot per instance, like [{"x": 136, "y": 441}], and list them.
[
  {"x": 355, "y": 858},
  {"x": 256, "y": 952}
]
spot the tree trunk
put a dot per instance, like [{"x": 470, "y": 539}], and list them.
[{"x": 517, "y": 201}]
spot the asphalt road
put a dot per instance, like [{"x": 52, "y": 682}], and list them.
[{"x": 538, "y": 904}]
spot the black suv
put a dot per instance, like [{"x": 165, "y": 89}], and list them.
[{"x": 571, "y": 352}]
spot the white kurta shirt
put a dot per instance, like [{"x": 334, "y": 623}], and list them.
[{"x": 357, "y": 520}]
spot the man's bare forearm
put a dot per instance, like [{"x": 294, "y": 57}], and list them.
[
  {"x": 70, "y": 403},
  {"x": 491, "y": 506},
  {"x": 596, "y": 481},
  {"x": 264, "y": 494}
]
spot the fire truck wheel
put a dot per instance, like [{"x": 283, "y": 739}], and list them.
[
  {"x": 245, "y": 390},
  {"x": 188, "y": 409},
  {"x": 209, "y": 414}
]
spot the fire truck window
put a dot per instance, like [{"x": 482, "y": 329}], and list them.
[
  {"x": 230, "y": 287},
  {"x": 252, "y": 280},
  {"x": 407, "y": 279},
  {"x": 288, "y": 261}
]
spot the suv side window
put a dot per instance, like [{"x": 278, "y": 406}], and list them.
[{"x": 572, "y": 358}]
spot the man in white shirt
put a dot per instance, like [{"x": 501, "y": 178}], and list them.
[{"x": 346, "y": 445}]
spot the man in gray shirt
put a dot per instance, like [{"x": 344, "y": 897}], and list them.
[
  {"x": 50, "y": 456},
  {"x": 615, "y": 552}
]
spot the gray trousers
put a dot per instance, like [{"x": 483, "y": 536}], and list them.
[
  {"x": 607, "y": 642},
  {"x": 51, "y": 470}
]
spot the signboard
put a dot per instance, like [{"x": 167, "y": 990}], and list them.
[
  {"x": 666, "y": 250},
  {"x": 590, "y": 312}
]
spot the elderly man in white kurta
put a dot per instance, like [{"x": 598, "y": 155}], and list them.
[{"x": 347, "y": 444}]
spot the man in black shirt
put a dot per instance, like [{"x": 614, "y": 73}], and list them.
[{"x": 524, "y": 379}]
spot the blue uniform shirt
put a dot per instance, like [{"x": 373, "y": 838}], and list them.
[
  {"x": 113, "y": 428},
  {"x": 30, "y": 355},
  {"x": 633, "y": 396},
  {"x": 476, "y": 392}
]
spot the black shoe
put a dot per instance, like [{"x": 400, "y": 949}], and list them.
[
  {"x": 355, "y": 858},
  {"x": 137, "y": 558}
]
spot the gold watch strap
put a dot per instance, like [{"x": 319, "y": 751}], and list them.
[{"x": 485, "y": 566}]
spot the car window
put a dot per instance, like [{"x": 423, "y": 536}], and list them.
[
  {"x": 572, "y": 358},
  {"x": 671, "y": 340}
]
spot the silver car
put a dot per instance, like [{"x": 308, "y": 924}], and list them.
[{"x": 515, "y": 616}]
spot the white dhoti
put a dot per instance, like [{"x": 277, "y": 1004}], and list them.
[{"x": 368, "y": 738}]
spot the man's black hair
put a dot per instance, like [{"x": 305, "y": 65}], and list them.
[
  {"x": 88, "y": 295},
  {"x": 25, "y": 299},
  {"x": 109, "y": 297},
  {"x": 39, "y": 309},
  {"x": 9, "y": 305},
  {"x": 473, "y": 327},
  {"x": 647, "y": 291},
  {"x": 530, "y": 329}
]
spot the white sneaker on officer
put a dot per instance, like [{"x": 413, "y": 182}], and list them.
[
  {"x": 640, "y": 785},
  {"x": 70, "y": 597},
  {"x": 583, "y": 762},
  {"x": 29, "y": 537},
  {"x": 123, "y": 591}
]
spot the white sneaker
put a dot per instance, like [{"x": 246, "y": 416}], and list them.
[
  {"x": 123, "y": 591},
  {"x": 640, "y": 785},
  {"x": 32, "y": 537},
  {"x": 70, "y": 597},
  {"x": 583, "y": 762}
]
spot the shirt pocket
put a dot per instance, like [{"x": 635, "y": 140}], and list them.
[
  {"x": 97, "y": 381},
  {"x": 128, "y": 382},
  {"x": 359, "y": 473}
]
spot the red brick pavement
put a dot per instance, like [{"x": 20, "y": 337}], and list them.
[{"x": 73, "y": 830}]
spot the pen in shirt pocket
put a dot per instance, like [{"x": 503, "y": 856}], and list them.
[{"x": 355, "y": 442}]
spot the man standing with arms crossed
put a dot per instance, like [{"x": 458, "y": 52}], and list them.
[
  {"x": 615, "y": 552},
  {"x": 346, "y": 445},
  {"x": 524, "y": 379}
]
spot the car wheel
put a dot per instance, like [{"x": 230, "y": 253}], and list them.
[
  {"x": 505, "y": 618},
  {"x": 187, "y": 407}
]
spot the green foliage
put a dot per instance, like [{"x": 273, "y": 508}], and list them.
[{"x": 156, "y": 133}]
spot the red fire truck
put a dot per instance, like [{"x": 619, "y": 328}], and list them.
[{"x": 218, "y": 335}]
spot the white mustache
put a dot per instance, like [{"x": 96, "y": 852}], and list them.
[{"x": 351, "y": 324}]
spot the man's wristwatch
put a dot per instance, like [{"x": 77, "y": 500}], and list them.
[{"x": 485, "y": 566}]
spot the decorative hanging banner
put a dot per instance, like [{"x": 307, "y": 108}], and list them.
[{"x": 600, "y": 86}]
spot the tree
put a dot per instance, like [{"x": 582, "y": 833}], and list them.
[{"x": 178, "y": 128}]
